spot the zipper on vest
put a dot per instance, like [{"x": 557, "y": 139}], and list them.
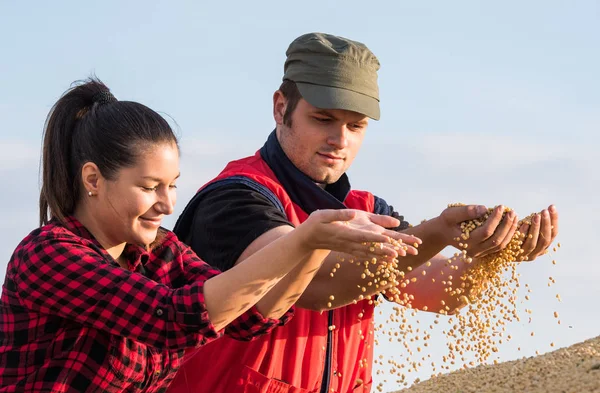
[{"x": 327, "y": 368}]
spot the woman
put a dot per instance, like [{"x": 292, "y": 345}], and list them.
[{"x": 100, "y": 298}]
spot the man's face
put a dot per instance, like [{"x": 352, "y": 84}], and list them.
[{"x": 322, "y": 143}]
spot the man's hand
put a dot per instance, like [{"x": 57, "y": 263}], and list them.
[
  {"x": 492, "y": 236},
  {"x": 540, "y": 234}
]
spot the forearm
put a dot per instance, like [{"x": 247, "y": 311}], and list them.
[
  {"x": 350, "y": 282},
  {"x": 350, "y": 239},
  {"x": 231, "y": 293},
  {"x": 440, "y": 289},
  {"x": 287, "y": 291},
  {"x": 434, "y": 240},
  {"x": 309, "y": 284}
]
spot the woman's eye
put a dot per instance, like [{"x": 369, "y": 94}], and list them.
[
  {"x": 149, "y": 189},
  {"x": 173, "y": 186}
]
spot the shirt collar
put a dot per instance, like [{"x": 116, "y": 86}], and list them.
[
  {"x": 302, "y": 190},
  {"x": 134, "y": 254}
]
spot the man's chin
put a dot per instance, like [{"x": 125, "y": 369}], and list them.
[
  {"x": 333, "y": 177},
  {"x": 326, "y": 179}
]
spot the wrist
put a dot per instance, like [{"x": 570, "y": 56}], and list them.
[
  {"x": 303, "y": 235},
  {"x": 441, "y": 232}
]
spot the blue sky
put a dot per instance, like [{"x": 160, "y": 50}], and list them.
[{"x": 481, "y": 103}]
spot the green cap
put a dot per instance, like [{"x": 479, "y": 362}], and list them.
[{"x": 333, "y": 72}]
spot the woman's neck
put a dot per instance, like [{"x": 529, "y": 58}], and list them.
[{"x": 114, "y": 248}]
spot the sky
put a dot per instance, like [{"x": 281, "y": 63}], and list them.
[{"x": 482, "y": 102}]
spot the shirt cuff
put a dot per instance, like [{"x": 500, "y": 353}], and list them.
[
  {"x": 186, "y": 316},
  {"x": 253, "y": 324}
]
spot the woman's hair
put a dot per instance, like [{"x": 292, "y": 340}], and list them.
[{"x": 88, "y": 124}]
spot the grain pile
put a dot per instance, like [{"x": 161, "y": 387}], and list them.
[{"x": 575, "y": 369}]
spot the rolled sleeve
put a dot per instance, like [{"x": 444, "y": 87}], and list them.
[{"x": 253, "y": 324}]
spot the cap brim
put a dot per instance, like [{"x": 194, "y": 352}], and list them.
[{"x": 327, "y": 97}]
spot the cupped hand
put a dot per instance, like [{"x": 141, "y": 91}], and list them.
[
  {"x": 540, "y": 234},
  {"x": 492, "y": 236},
  {"x": 358, "y": 233}
]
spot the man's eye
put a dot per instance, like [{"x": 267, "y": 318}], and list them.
[{"x": 322, "y": 119}]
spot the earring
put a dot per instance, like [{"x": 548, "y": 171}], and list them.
[{"x": 90, "y": 193}]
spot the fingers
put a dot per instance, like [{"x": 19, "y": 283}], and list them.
[
  {"x": 362, "y": 238},
  {"x": 458, "y": 214},
  {"x": 384, "y": 221},
  {"x": 366, "y": 244},
  {"x": 331, "y": 215},
  {"x": 545, "y": 235},
  {"x": 531, "y": 236},
  {"x": 409, "y": 243},
  {"x": 487, "y": 230},
  {"x": 372, "y": 250},
  {"x": 511, "y": 232},
  {"x": 502, "y": 235},
  {"x": 404, "y": 249},
  {"x": 407, "y": 250},
  {"x": 540, "y": 234},
  {"x": 403, "y": 237},
  {"x": 553, "y": 220}
]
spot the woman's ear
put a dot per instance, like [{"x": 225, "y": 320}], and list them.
[{"x": 90, "y": 177}]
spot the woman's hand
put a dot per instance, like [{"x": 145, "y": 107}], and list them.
[{"x": 358, "y": 233}]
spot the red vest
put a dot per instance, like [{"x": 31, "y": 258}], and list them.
[{"x": 292, "y": 357}]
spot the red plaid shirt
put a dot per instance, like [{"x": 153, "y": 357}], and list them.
[{"x": 73, "y": 320}]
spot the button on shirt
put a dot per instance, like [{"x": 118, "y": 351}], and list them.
[{"x": 73, "y": 320}]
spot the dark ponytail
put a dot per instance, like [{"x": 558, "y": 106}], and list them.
[{"x": 87, "y": 124}]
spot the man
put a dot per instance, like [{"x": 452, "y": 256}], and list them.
[{"x": 321, "y": 111}]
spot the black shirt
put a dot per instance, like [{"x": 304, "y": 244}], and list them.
[{"x": 227, "y": 220}]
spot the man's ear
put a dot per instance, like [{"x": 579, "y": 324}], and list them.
[{"x": 279, "y": 107}]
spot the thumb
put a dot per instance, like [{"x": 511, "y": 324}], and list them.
[
  {"x": 459, "y": 214},
  {"x": 384, "y": 221},
  {"x": 331, "y": 215}
]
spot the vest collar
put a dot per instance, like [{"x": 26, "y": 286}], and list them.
[{"x": 302, "y": 190}]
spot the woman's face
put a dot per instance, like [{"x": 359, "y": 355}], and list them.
[{"x": 130, "y": 208}]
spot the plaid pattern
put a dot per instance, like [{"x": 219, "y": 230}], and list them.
[{"x": 73, "y": 320}]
